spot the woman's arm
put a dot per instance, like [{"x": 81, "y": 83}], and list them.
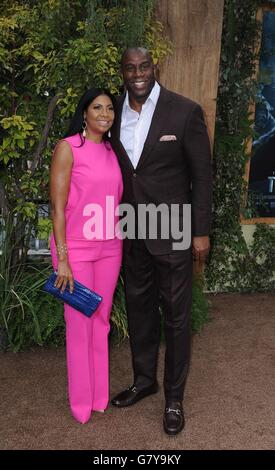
[{"x": 60, "y": 177}]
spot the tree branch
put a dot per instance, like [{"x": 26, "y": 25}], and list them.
[
  {"x": 45, "y": 133},
  {"x": 4, "y": 208}
]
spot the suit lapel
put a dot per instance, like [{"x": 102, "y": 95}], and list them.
[{"x": 158, "y": 122}]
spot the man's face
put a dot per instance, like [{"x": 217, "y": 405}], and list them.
[{"x": 138, "y": 74}]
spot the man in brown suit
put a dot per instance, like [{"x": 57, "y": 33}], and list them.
[{"x": 164, "y": 153}]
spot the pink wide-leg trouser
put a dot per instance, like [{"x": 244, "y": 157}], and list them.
[{"x": 96, "y": 265}]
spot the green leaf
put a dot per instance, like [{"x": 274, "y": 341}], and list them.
[{"x": 21, "y": 144}]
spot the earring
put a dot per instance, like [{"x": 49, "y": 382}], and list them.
[{"x": 84, "y": 127}]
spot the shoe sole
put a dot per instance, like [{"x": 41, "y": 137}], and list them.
[{"x": 173, "y": 433}]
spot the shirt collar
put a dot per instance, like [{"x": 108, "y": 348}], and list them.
[{"x": 154, "y": 95}]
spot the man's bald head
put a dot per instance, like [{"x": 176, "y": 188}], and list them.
[
  {"x": 138, "y": 73},
  {"x": 139, "y": 50}
]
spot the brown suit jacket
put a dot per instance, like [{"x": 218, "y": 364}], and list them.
[{"x": 170, "y": 171}]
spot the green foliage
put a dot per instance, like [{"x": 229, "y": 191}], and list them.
[
  {"x": 50, "y": 52},
  {"x": 20, "y": 132},
  {"x": 28, "y": 316},
  {"x": 119, "y": 322},
  {"x": 233, "y": 265},
  {"x": 262, "y": 258}
]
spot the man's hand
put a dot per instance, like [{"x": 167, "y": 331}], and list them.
[{"x": 200, "y": 248}]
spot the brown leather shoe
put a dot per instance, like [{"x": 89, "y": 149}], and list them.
[
  {"x": 173, "y": 418},
  {"x": 133, "y": 394}
]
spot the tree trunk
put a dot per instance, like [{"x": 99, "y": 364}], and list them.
[{"x": 195, "y": 28}]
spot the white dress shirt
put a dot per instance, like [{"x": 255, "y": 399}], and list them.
[{"x": 135, "y": 127}]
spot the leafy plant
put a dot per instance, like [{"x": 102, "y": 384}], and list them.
[
  {"x": 119, "y": 322},
  {"x": 30, "y": 318},
  {"x": 26, "y": 316}
]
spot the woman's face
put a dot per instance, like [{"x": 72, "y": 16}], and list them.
[{"x": 99, "y": 116}]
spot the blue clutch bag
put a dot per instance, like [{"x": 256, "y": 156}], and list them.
[{"x": 82, "y": 298}]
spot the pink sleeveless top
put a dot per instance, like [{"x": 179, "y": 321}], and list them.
[{"x": 95, "y": 191}]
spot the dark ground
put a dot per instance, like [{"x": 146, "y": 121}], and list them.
[{"x": 229, "y": 403}]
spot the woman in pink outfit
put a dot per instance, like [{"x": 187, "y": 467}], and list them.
[{"x": 86, "y": 184}]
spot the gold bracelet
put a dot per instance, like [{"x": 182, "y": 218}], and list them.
[{"x": 61, "y": 249}]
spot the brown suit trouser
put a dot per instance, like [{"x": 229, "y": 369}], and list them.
[{"x": 151, "y": 281}]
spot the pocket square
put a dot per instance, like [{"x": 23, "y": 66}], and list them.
[{"x": 166, "y": 138}]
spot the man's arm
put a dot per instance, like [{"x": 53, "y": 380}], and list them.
[{"x": 198, "y": 153}]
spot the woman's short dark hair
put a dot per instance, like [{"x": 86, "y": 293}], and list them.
[{"x": 76, "y": 124}]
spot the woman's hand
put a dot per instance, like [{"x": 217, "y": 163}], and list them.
[{"x": 64, "y": 275}]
